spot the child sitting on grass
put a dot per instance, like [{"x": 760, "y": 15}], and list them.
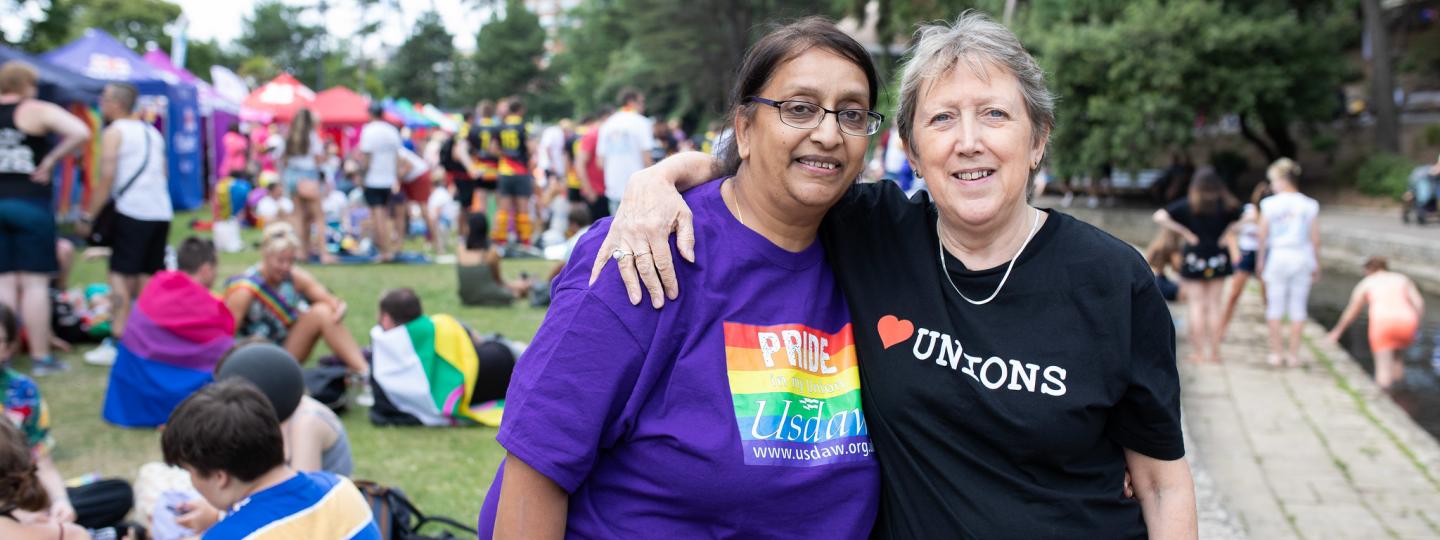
[{"x": 227, "y": 437}]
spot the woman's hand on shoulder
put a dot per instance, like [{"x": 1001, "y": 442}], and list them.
[{"x": 638, "y": 238}]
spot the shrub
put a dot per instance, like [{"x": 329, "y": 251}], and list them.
[{"x": 1384, "y": 174}]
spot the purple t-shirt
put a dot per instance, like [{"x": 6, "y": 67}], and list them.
[{"x": 733, "y": 411}]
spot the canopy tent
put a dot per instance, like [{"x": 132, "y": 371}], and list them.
[
  {"x": 277, "y": 100},
  {"x": 209, "y": 98},
  {"x": 340, "y": 106},
  {"x": 439, "y": 118},
  {"x": 217, "y": 111},
  {"x": 98, "y": 55},
  {"x": 57, "y": 84},
  {"x": 410, "y": 117}
]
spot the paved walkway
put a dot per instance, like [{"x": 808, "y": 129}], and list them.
[{"x": 1311, "y": 452}]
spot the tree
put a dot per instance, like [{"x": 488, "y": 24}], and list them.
[
  {"x": 1135, "y": 77},
  {"x": 423, "y": 69},
  {"x": 275, "y": 33},
  {"x": 895, "y": 18},
  {"x": 201, "y": 54},
  {"x": 507, "y": 55},
  {"x": 55, "y": 28},
  {"x": 682, "y": 55},
  {"x": 135, "y": 23},
  {"x": 1382, "y": 78},
  {"x": 587, "y": 50}
]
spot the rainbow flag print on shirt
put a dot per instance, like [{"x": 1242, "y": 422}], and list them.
[{"x": 797, "y": 395}]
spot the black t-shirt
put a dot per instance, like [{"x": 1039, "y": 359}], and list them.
[
  {"x": 1208, "y": 226},
  {"x": 481, "y": 133},
  {"x": 1005, "y": 420}
]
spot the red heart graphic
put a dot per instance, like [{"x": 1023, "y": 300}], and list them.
[{"x": 894, "y": 330}]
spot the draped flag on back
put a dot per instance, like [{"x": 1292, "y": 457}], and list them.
[
  {"x": 173, "y": 338},
  {"x": 427, "y": 369}
]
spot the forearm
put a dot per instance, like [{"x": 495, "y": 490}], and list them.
[
  {"x": 1169, "y": 512},
  {"x": 688, "y": 169},
  {"x": 67, "y": 146},
  {"x": 50, "y": 478}
]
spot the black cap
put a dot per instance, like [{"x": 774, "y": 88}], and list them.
[{"x": 272, "y": 370}]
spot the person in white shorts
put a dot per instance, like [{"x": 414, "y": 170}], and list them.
[{"x": 1287, "y": 261}]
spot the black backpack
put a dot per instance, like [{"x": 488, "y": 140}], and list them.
[{"x": 399, "y": 519}]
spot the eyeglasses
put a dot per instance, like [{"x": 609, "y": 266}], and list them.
[{"x": 805, "y": 115}]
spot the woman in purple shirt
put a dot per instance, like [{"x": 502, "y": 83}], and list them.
[{"x": 736, "y": 411}]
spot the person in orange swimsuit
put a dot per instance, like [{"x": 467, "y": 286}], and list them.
[{"x": 1395, "y": 309}]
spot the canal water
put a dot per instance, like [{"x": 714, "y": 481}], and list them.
[{"x": 1419, "y": 393}]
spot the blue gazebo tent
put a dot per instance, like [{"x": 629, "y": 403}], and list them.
[
  {"x": 100, "y": 56},
  {"x": 57, "y": 84}
]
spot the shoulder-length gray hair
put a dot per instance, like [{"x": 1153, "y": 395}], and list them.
[{"x": 974, "y": 39}]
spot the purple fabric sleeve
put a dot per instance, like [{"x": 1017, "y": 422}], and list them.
[{"x": 568, "y": 396}]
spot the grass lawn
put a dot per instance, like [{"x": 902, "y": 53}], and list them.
[{"x": 446, "y": 471}]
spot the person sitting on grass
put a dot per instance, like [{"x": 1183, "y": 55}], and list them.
[
  {"x": 478, "y": 266},
  {"x": 23, "y": 491},
  {"x": 22, "y": 404},
  {"x": 315, "y": 440},
  {"x": 286, "y": 305},
  {"x": 176, "y": 333},
  {"x": 228, "y": 438},
  {"x": 433, "y": 370}
]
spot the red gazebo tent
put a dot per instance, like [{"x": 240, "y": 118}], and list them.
[
  {"x": 278, "y": 99},
  {"x": 339, "y": 106}
]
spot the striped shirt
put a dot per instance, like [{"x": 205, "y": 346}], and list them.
[{"x": 310, "y": 505}]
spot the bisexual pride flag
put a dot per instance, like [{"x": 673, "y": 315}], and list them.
[
  {"x": 796, "y": 391},
  {"x": 426, "y": 369},
  {"x": 176, "y": 333}
]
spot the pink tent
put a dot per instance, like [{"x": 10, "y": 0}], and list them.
[
  {"x": 339, "y": 106},
  {"x": 278, "y": 99}
]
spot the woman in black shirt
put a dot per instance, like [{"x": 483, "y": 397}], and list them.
[
  {"x": 1202, "y": 219},
  {"x": 1014, "y": 362}
]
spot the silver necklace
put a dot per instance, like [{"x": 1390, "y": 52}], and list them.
[
  {"x": 735, "y": 194},
  {"x": 1033, "y": 227}
]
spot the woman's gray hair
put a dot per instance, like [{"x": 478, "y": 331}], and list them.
[{"x": 975, "y": 40}]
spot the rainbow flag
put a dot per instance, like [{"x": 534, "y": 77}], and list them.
[
  {"x": 796, "y": 392},
  {"x": 427, "y": 369},
  {"x": 176, "y": 333}
]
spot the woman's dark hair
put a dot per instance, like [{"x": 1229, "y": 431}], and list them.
[
  {"x": 1208, "y": 193},
  {"x": 19, "y": 487},
  {"x": 777, "y": 47},
  {"x": 9, "y": 324},
  {"x": 297, "y": 140},
  {"x": 226, "y": 426},
  {"x": 479, "y": 236},
  {"x": 1261, "y": 191}
]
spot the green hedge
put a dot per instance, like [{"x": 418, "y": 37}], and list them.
[{"x": 1384, "y": 174}]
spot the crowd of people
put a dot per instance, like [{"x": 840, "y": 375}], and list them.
[{"x": 1211, "y": 241}]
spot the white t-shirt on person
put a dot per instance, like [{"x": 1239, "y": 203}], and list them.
[
  {"x": 382, "y": 141},
  {"x": 1289, "y": 216},
  {"x": 417, "y": 164},
  {"x": 625, "y": 138},
  {"x": 148, "y": 199}
]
